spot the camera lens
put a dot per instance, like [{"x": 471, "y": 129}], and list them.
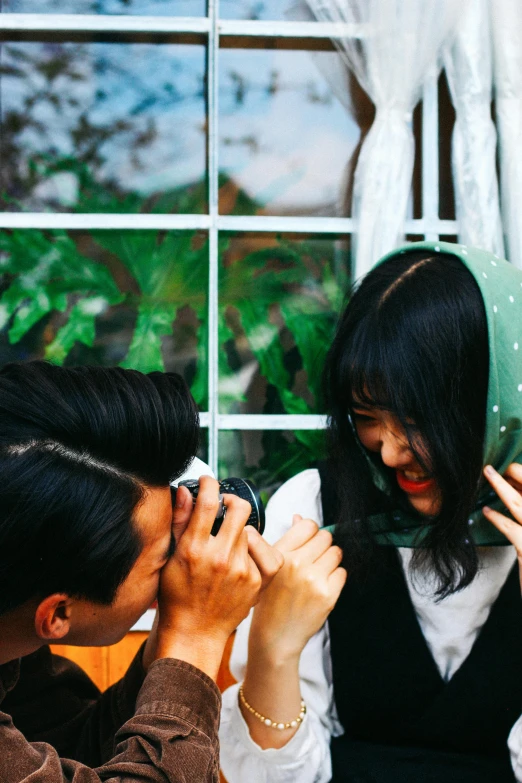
[
  {"x": 243, "y": 488},
  {"x": 246, "y": 489}
]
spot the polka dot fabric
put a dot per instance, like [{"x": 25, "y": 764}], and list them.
[{"x": 500, "y": 284}]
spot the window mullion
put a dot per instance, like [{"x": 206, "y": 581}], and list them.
[{"x": 213, "y": 340}]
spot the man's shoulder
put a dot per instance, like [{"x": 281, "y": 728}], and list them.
[{"x": 43, "y": 671}]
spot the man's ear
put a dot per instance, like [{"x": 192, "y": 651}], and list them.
[{"x": 52, "y": 619}]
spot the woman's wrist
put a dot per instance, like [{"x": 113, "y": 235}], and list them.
[
  {"x": 275, "y": 648},
  {"x": 274, "y": 652},
  {"x": 272, "y": 722},
  {"x": 272, "y": 689}
]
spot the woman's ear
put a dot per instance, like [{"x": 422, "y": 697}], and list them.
[{"x": 52, "y": 619}]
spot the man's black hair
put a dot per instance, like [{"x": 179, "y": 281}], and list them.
[
  {"x": 78, "y": 447},
  {"x": 413, "y": 340}
]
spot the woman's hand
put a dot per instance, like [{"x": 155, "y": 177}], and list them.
[
  {"x": 301, "y": 596},
  {"x": 509, "y": 490},
  {"x": 292, "y": 608}
]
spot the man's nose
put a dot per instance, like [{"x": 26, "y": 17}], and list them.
[{"x": 395, "y": 449}]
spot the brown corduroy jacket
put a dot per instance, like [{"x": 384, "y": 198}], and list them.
[{"x": 55, "y": 726}]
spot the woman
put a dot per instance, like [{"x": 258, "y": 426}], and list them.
[{"x": 416, "y": 676}]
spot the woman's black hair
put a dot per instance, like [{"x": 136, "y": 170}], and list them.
[
  {"x": 78, "y": 448},
  {"x": 413, "y": 340}
]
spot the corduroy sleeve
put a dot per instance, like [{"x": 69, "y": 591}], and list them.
[
  {"x": 172, "y": 736},
  {"x": 54, "y": 701}
]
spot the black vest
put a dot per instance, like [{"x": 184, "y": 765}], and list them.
[{"x": 402, "y": 722}]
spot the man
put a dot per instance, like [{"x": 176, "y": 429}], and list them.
[{"x": 88, "y": 539}]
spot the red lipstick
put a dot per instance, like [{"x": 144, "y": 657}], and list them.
[{"x": 412, "y": 487}]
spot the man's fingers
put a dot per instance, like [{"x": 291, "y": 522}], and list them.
[
  {"x": 302, "y": 530},
  {"x": 512, "y": 530},
  {"x": 205, "y": 509},
  {"x": 511, "y": 498},
  {"x": 238, "y": 511},
  {"x": 267, "y": 558},
  {"x": 181, "y": 512}
]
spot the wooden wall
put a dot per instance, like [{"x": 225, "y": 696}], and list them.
[{"x": 106, "y": 665}]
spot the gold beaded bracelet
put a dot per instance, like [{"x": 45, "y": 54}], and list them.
[{"x": 273, "y": 723}]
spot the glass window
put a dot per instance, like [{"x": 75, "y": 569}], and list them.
[
  {"x": 99, "y": 126},
  {"x": 141, "y": 7},
  {"x": 268, "y": 457},
  {"x": 133, "y": 298},
  {"x": 103, "y": 127},
  {"x": 255, "y": 9},
  {"x": 267, "y": 167},
  {"x": 279, "y": 298}
]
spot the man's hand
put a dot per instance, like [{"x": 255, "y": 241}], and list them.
[{"x": 210, "y": 582}]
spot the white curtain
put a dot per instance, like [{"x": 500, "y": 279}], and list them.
[
  {"x": 506, "y": 19},
  {"x": 400, "y": 41},
  {"x": 469, "y": 71}
]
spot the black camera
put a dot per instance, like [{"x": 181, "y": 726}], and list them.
[{"x": 243, "y": 488}]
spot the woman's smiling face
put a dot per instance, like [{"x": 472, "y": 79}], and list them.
[{"x": 381, "y": 432}]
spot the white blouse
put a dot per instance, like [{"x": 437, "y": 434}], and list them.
[{"x": 450, "y": 628}]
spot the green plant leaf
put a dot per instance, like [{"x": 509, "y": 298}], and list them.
[
  {"x": 154, "y": 322},
  {"x": 313, "y": 334},
  {"x": 231, "y": 382},
  {"x": 199, "y": 386},
  {"x": 263, "y": 338},
  {"x": 166, "y": 268},
  {"x": 281, "y": 254},
  {"x": 283, "y": 459},
  {"x": 46, "y": 268},
  {"x": 27, "y": 312},
  {"x": 253, "y": 277},
  {"x": 80, "y": 327},
  {"x": 335, "y": 289},
  {"x": 229, "y": 386},
  {"x": 313, "y": 440}
]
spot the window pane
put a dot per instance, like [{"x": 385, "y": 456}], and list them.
[
  {"x": 255, "y": 9},
  {"x": 279, "y": 299},
  {"x": 268, "y": 457},
  {"x": 286, "y": 141},
  {"x": 203, "y": 445},
  {"x": 140, "y": 7},
  {"x": 103, "y": 127},
  {"x": 133, "y": 298}
]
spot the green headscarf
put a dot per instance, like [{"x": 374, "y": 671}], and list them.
[{"x": 500, "y": 284}]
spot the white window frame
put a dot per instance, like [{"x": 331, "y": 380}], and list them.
[{"x": 210, "y": 29}]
